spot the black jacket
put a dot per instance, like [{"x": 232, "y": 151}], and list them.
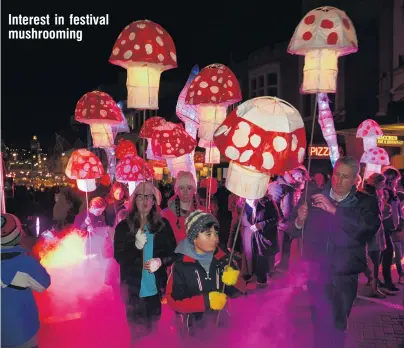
[
  {"x": 130, "y": 258},
  {"x": 189, "y": 285},
  {"x": 336, "y": 243}
]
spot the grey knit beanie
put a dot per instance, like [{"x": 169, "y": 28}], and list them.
[{"x": 196, "y": 222}]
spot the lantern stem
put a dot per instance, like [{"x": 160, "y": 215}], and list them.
[
  {"x": 143, "y": 82},
  {"x": 320, "y": 71},
  {"x": 369, "y": 143},
  {"x": 210, "y": 118},
  {"x": 371, "y": 169},
  {"x": 131, "y": 186}
]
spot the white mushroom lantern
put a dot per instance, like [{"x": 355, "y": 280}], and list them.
[
  {"x": 85, "y": 167},
  {"x": 322, "y": 36},
  {"x": 145, "y": 50},
  {"x": 263, "y": 136},
  {"x": 369, "y": 131}
]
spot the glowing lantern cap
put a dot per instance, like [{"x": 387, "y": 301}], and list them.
[
  {"x": 171, "y": 140},
  {"x": 147, "y": 132},
  {"x": 125, "y": 147},
  {"x": 85, "y": 167},
  {"x": 377, "y": 156},
  {"x": 145, "y": 49},
  {"x": 322, "y": 36},
  {"x": 133, "y": 168},
  {"x": 213, "y": 89},
  {"x": 261, "y": 136},
  {"x": 188, "y": 113},
  {"x": 369, "y": 130}
]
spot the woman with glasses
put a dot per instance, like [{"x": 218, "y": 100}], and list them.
[{"x": 144, "y": 247}]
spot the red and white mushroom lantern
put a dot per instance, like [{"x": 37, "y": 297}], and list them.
[
  {"x": 173, "y": 143},
  {"x": 199, "y": 158},
  {"x": 147, "y": 131},
  {"x": 369, "y": 131},
  {"x": 132, "y": 169},
  {"x": 145, "y": 50},
  {"x": 125, "y": 147},
  {"x": 322, "y": 36},
  {"x": 84, "y": 167},
  {"x": 262, "y": 136},
  {"x": 374, "y": 158},
  {"x": 213, "y": 90},
  {"x": 100, "y": 111},
  {"x": 158, "y": 167}
]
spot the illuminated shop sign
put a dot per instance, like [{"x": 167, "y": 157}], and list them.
[{"x": 390, "y": 140}]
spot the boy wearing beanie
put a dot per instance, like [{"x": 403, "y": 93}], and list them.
[
  {"x": 20, "y": 274},
  {"x": 197, "y": 278}
]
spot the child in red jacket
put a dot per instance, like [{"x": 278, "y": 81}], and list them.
[{"x": 196, "y": 282}]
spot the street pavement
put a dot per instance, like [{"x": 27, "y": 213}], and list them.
[{"x": 275, "y": 317}]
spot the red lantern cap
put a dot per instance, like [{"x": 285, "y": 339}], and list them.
[
  {"x": 199, "y": 157},
  {"x": 377, "y": 156},
  {"x": 171, "y": 140},
  {"x": 125, "y": 147},
  {"x": 215, "y": 84},
  {"x": 157, "y": 164},
  {"x": 133, "y": 168},
  {"x": 83, "y": 164},
  {"x": 369, "y": 128},
  {"x": 144, "y": 41},
  {"x": 150, "y": 125},
  {"x": 97, "y": 107},
  {"x": 264, "y": 134}
]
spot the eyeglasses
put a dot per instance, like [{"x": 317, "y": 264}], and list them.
[{"x": 143, "y": 197}]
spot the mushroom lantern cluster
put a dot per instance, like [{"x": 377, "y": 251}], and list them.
[
  {"x": 84, "y": 167},
  {"x": 145, "y": 50},
  {"x": 262, "y": 137},
  {"x": 322, "y": 36},
  {"x": 147, "y": 131}
]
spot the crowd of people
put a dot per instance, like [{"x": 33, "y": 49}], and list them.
[{"x": 173, "y": 244}]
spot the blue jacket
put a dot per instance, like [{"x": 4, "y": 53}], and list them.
[
  {"x": 20, "y": 274},
  {"x": 336, "y": 243}
]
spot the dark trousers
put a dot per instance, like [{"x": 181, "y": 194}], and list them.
[
  {"x": 331, "y": 304},
  {"x": 141, "y": 313},
  {"x": 285, "y": 251},
  {"x": 375, "y": 257},
  {"x": 387, "y": 259}
]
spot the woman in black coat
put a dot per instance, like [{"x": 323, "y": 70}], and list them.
[{"x": 144, "y": 247}]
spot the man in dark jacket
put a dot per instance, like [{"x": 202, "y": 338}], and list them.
[{"x": 335, "y": 226}]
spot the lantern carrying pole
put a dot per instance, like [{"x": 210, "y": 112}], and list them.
[
  {"x": 232, "y": 252},
  {"x": 89, "y": 234},
  {"x": 306, "y": 191}
]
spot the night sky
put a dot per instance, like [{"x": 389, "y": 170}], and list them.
[{"x": 42, "y": 80}]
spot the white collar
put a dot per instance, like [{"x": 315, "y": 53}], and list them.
[{"x": 337, "y": 198}]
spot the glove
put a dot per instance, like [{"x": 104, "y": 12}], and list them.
[
  {"x": 230, "y": 276},
  {"x": 257, "y": 227},
  {"x": 217, "y": 300},
  {"x": 153, "y": 265},
  {"x": 141, "y": 239}
]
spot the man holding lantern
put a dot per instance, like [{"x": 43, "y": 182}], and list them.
[{"x": 335, "y": 226}]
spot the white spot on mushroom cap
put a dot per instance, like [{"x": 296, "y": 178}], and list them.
[
  {"x": 191, "y": 94},
  {"x": 127, "y": 54},
  {"x": 160, "y": 57},
  {"x": 214, "y": 89},
  {"x": 232, "y": 153},
  {"x": 197, "y": 78},
  {"x": 255, "y": 140},
  {"x": 220, "y": 80},
  {"x": 230, "y": 83},
  {"x": 148, "y": 48},
  {"x": 173, "y": 56},
  {"x": 294, "y": 142},
  {"x": 241, "y": 135},
  {"x": 86, "y": 167},
  {"x": 214, "y": 78},
  {"x": 230, "y": 93},
  {"x": 136, "y": 47},
  {"x": 103, "y": 113},
  {"x": 159, "y": 30},
  {"x": 123, "y": 42},
  {"x": 132, "y": 36},
  {"x": 92, "y": 160},
  {"x": 246, "y": 155},
  {"x": 213, "y": 98},
  {"x": 279, "y": 143},
  {"x": 199, "y": 92},
  {"x": 141, "y": 25},
  {"x": 115, "y": 52},
  {"x": 84, "y": 112},
  {"x": 126, "y": 169},
  {"x": 268, "y": 160},
  {"x": 300, "y": 154},
  {"x": 159, "y": 40},
  {"x": 203, "y": 84}
]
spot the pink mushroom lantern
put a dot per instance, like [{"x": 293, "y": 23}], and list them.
[
  {"x": 213, "y": 90},
  {"x": 85, "y": 167},
  {"x": 147, "y": 131},
  {"x": 374, "y": 158},
  {"x": 322, "y": 36},
  {"x": 145, "y": 50},
  {"x": 173, "y": 143},
  {"x": 158, "y": 167},
  {"x": 100, "y": 111},
  {"x": 369, "y": 131},
  {"x": 132, "y": 169},
  {"x": 262, "y": 136}
]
